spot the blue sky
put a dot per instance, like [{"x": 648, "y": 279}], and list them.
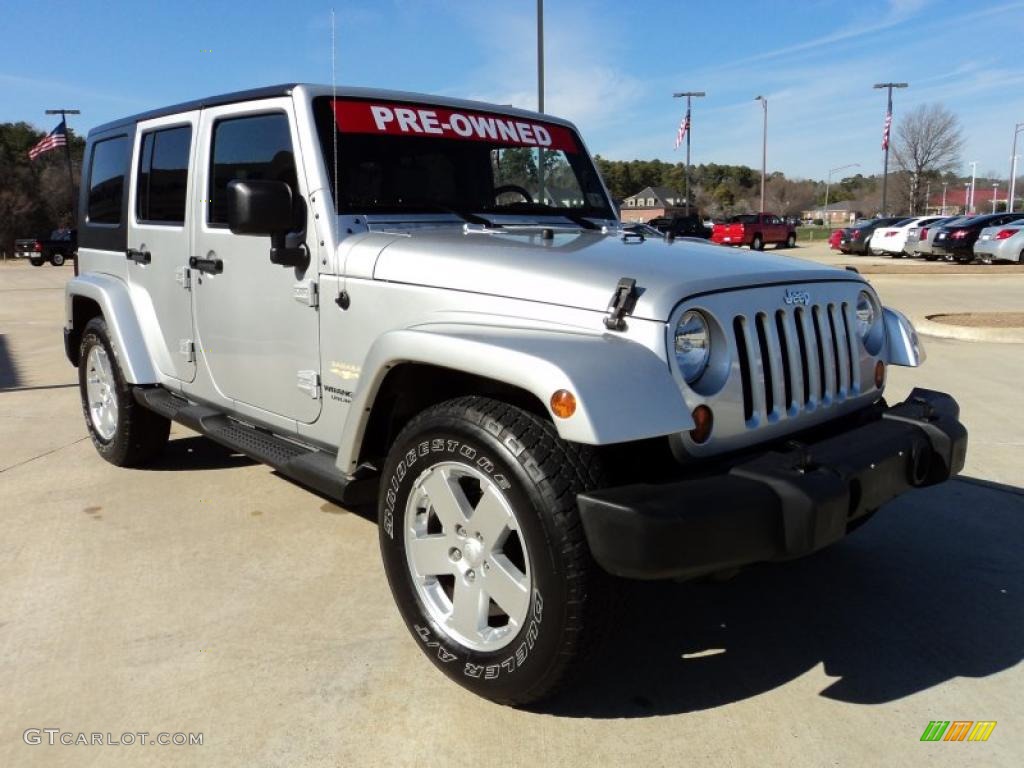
[{"x": 611, "y": 66}]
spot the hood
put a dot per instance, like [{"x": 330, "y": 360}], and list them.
[{"x": 578, "y": 269}]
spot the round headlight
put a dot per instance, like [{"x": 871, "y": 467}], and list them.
[
  {"x": 692, "y": 345},
  {"x": 867, "y": 314}
]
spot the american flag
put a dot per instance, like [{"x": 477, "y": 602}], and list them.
[
  {"x": 885, "y": 131},
  {"x": 684, "y": 126},
  {"x": 55, "y": 138}
]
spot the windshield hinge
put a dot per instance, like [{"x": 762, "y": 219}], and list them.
[
  {"x": 622, "y": 304},
  {"x": 309, "y": 382},
  {"x": 306, "y": 293},
  {"x": 183, "y": 276}
]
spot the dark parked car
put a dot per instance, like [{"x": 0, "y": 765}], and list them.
[
  {"x": 857, "y": 239},
  {"x": 681, "y": 226},
  {"x": 61, "y": 245},
  {"x": 956, "y": 241}
]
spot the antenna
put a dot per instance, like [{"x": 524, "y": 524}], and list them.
[{"x": 334, "y": 106}]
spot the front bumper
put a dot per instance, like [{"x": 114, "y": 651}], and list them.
[{"x": 779, "y": 505}]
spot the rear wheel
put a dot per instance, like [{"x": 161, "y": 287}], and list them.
[
  {"x": 964, "y": 259},
  {"x": 791, "y": 240},
  {"x": 57, "y": 259},
  {"x": 483, "y": 547},
  {"x": 123, "y": 432},
  {"x": 757, "y": 244},
  {"x": 35, "y": 262}
]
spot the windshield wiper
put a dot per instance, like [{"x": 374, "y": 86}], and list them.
[
  {"x": 466, "y": 216},
  {"x": 575, "y": 218}
]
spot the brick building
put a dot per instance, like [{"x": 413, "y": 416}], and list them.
[{"x": 652, "y": 202}]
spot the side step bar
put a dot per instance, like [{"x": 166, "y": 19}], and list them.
[{"x": 307, "y": 466}]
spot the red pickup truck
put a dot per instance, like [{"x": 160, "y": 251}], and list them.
[{"x": 754, "y": 229}]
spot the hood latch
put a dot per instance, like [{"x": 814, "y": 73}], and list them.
[{"x": 622, "y": 304}]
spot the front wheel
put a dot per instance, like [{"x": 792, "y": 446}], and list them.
[
  {"x": 757, "y": 244},
  {"x": 123, "y": 432},
  {"x": 484, "y": 551},
  {"x": 791, "y": 241}
]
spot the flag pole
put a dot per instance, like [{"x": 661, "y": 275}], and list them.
[{"x": 67, "y": 154}]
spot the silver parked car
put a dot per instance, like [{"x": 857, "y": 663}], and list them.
[
  {"x": 914, "y": 233},
  {"x": 428, "y": 305},
  {"x": 1002, "y": 243}
]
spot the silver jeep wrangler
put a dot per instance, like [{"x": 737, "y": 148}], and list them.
[{"x": 430, "y": 305}]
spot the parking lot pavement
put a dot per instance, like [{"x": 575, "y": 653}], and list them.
[{"x": 206, "y": 594}]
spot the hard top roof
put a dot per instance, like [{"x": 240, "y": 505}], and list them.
[{"x": 286, "y": 89}]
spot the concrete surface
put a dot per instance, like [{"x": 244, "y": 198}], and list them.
[{"x": 206, "y": 594}]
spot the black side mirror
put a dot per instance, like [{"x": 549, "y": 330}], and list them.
[{"x": 266, "y": 208}]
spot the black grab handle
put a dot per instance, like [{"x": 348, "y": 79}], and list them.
[{"x": 139, "y": 257}]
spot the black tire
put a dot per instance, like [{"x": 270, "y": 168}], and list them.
[
  {"x": 791, "y": 240},
  {"x": 757, "y": 244},
  {"x": 540, "y": 476},
  {"x": 140, "y": 434},
  {"x": 930, "y": 257},
  {"x": 963, "y": 259},
  {"x": 57, "y": 259},
  {"x": 36, "y": 262}
]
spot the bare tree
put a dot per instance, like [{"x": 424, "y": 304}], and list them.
[{"x": 928, "y": 143}]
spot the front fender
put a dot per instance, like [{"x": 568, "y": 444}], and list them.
[
  {"x": 623, "y": 390},
  {"x": 111, "y": 294}
]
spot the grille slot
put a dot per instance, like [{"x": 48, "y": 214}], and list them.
[{"x": 797, "y": 360}]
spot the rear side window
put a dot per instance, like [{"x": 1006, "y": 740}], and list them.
[
  {"x": 257, "y": 147},
  {"x": 163, "y": 175},
  {"x": 106, "y": 180}
]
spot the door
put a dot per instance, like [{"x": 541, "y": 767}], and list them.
[
  {"x": 159, "y": 232},
  {"x": 257, "y": 337}
]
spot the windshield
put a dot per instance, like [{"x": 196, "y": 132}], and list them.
[{"x": 407, "y": 158}]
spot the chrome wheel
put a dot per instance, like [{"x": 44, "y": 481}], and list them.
[
  {"x": 100, "y": 393},
  {"x": 467, "y": 557}
]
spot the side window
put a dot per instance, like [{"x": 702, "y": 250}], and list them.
[
  {"x": 106, "y": 180},
  {"x": 163, "y": 175},
  {"x": 257, "y": 147}
]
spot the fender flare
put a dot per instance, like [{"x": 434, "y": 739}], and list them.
[
  {"x": 624, "y": 391},
  {"x": 902, "y": 344},
  {"x": 111, "y": 294}
]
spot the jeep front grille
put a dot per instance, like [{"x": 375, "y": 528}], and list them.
[{"x": 796, "y": 360}]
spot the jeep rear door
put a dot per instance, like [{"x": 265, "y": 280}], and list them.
[
  {"x": 159, "y": 234},
  {"x": 257, "y": 337}
]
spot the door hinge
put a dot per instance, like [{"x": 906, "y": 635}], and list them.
[
  {"x": 187, "y": 350},
  {"x": 306, "y": 293},
  {"x": 309, "y": 382},
  {"x": 183, "y": 276}
]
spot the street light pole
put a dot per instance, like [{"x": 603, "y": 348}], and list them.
[
  {"x": 944, "y": 185},
  {"x": 828, "y": 183},
  {"x": 1013, "y": 166},
  {"x": 885, "y": 143},
  {"x": 67, "y": 154},
  {"x": 540, "y": 55},
  {"x": 764, "y": 146},
  {"x": 974, "y": 175},
  {"x": 967, "y": 198},
  {"x": 689, "y": 130},
  {"x": 995, "y": 194}
]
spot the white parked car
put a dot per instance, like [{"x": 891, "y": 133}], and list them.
[
  {"x": 1001, "y": 243},
  {"x": 890, "y": 241}
]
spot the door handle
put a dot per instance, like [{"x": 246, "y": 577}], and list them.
[
  {"x": 210, "y": 266},
  {"x": 139, "y": 257}
]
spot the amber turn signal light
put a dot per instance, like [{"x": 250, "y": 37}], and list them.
[
  {"x": 703, "y": 420},
  {"x": 563, "y": 403},
  {"x": 879, "y": 374}
]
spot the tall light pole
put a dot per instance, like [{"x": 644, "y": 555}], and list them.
[
  {"x": 974, "y": 176},
  {"x": 1011, "y": 198},
  {"x": 927, "y": 196},
  {"x": 1013, "y": 165},
  {"x": 885, "y": 138},
  {"x": 944, "y": 185},
  {"x": 828, "y": 183},
  {"x": 995, "y": 194},
  {"x": 689, "y": 129},
  {"x": 967, "y": 198},
  {"x": 67, "y": 154},
  {"x": 764, "y": 146},
  {"x": 540, "y": 55}
]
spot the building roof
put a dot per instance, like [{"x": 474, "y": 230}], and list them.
[{"x": 661, "y": 196}]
